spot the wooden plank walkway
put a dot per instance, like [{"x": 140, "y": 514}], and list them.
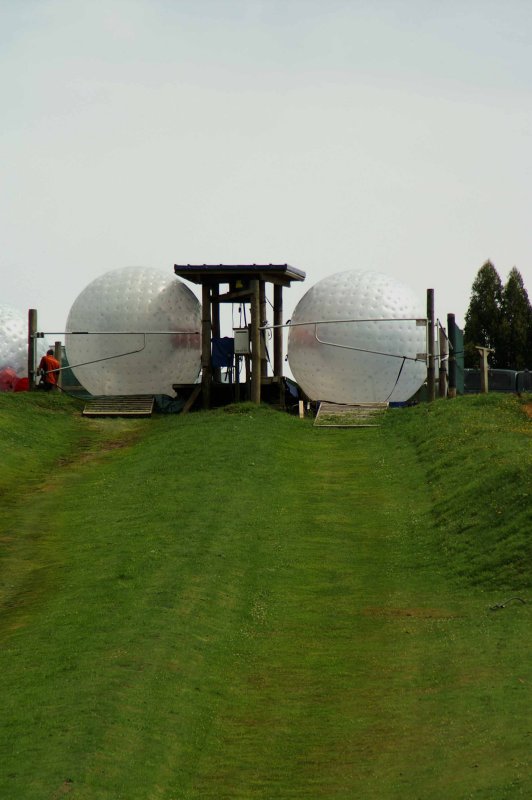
[
  {"x": 356, "y": 415},
  {"x": 126, "y": 406}
]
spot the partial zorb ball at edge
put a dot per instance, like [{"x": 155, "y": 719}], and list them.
[
  {"x": 361, "y": 341},
  {"x": 159, "y": 320},
  {"x": 14, "y": 341}
]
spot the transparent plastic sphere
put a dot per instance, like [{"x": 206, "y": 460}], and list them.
[
  {"x": 133, "y": 300},
  {"x": 368, "y": 360},
  {"x": 14, "y": 341}
]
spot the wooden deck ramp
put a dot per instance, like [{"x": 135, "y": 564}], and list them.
[
  {"x": 126, "y": 406},
  {"x": 357, "y": 415}
]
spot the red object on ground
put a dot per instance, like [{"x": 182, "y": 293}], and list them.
[
  {"x": 8, "y": 379},
  {"x": 22, "y": 385}
]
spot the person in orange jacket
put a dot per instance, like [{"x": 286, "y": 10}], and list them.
[{"x": 48, "y": 371}]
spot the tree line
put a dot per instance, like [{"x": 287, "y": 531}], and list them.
[{"x": 499, "y": 317}]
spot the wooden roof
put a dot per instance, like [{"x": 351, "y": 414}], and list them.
[{"x": 225, "y": 273}]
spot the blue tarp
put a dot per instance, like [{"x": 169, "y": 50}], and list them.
[{"x": 223, "y": 351}]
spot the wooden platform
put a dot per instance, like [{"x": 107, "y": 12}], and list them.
[
  {"x": 127, "y": 406},
  {"x": 359, "y": 415}
]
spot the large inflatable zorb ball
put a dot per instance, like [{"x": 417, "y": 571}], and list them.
[
  {"x": 14, "y": 341},
  {"x": 159, "y": 320},
  {"x": 360, "y": 341}
]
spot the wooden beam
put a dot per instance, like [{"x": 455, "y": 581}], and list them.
[
  {"x": 264, "y": 276},
  {"x": 484, "y": 353},
  {"x": 237, "y": 294},
  {"x": 263, "y": 352},
  {"x": 206, "y": 369},
  {"x": 277, "y": 331},
  {"x": 58, "y": 353},
  {"x": 431, "y": 373},
  {"x": 278, "y": 340},
  {"x": 192, "y": 398},
  {"x": 255, "y": 343},
  {"x": 451, "y": 327},
  {"x": 215, "y": 313}
]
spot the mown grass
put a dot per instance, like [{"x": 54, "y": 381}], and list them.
[
  {"x": 478, "y": 462},
  {"x": 40, "y": 437},
  {"x": 238, "y": 605}
]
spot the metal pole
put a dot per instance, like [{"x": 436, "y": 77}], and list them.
[
  {"x": 484, "y": 352},
  {"x": 32, "y": 330},
  {"x": 451, "y": 327},
  {"x": 442, "y": 372},
  {"x": 59, "y": 356},
  {"x": 42, "y": 334},
  {"x": 349, "y": 319},
  {"x": 431, "y": 381}
]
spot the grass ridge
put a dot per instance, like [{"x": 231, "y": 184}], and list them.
[{"x": 238, "y": 605}]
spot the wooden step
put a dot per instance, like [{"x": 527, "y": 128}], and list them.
[
  {"x": 123, "y": 406},
  {"x": 356, "y": 415}
]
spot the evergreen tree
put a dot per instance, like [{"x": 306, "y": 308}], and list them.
[
  {"x": 529, "y": 343},
  {"x": 483, "y": 317},
  {"x": 515, "y": 325}
]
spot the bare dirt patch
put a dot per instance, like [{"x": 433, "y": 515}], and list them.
[
  {"x": 527, "y": 408},
  {"x": 65, "y": 788},
  {"x": 90, "y": 451}
]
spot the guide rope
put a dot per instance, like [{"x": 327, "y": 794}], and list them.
[
  {"x": 106, "y": 358},
  {"x": 42, "y": 334},
  {"x": 505, "y": 603},
  {"x": 397, "y": 379},
  {"x": 404, "y": 358}
]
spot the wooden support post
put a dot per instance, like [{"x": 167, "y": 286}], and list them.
[
  {"x": 278, "y": 332},
  {"x": 59, "y": 355},
  {"x": 442, "y": 372},
  {"x": 263, "y": 355},
  {"x": 484, "y": 352},
  {"x": 431, "y": 376},
  {"x": 451, "y": 327},
  {"x": 215, "y": 327},
  {"x": 278, "y": 339},
  {"x": 255, "y": 342},
  {"x": 32, "y": 341},
  {"x": 206, "y": 368},
  {"x": 192, "y": 399}
]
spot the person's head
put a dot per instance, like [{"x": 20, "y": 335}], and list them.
[{"x": 49, "y": 352}]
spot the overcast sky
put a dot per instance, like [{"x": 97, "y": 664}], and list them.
[{"x": 329, "y": 134}]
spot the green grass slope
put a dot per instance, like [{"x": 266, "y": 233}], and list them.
[
  {"x": 234, "y": 604},
  {"x": 477, "y": 454}
]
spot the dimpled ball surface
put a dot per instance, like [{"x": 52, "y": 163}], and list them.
[
  {"x": 134, "y": 299},
  {"x": 326, "y": 359},
  {"x": 14, "y": 341}
]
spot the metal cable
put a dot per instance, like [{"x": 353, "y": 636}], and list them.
[{"x": 505, "y": 603}]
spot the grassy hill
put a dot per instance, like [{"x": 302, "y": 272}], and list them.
[{"x": 235, "y": 604}]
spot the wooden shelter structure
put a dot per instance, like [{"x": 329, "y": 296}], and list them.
[{"x": 243, "y": 283}]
